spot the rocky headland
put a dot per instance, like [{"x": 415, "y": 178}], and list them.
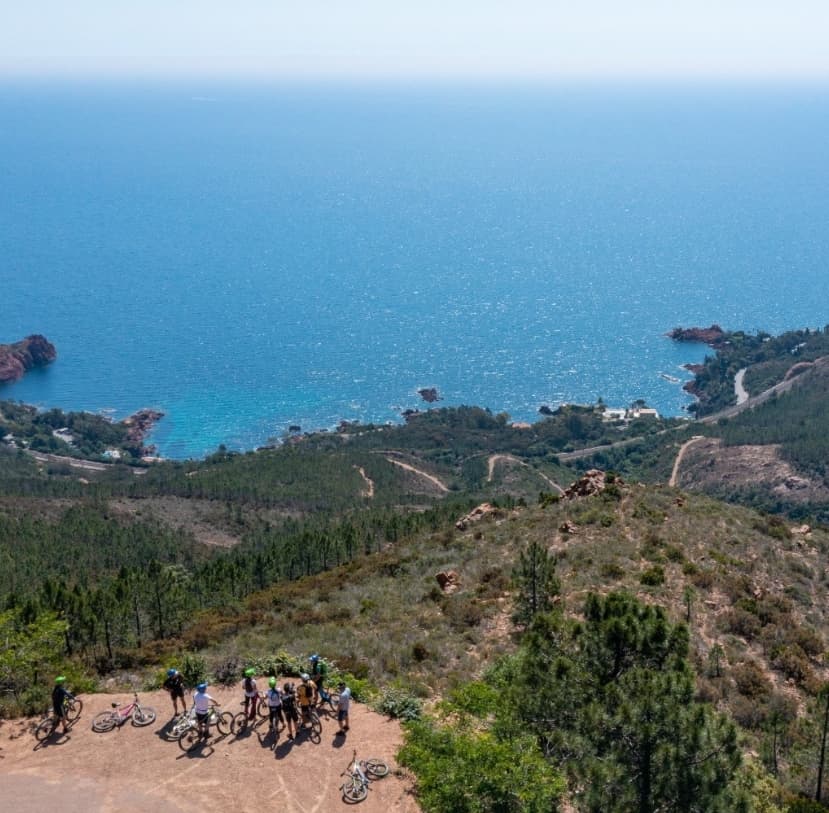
[
  {"x": 18, "y": 358},
  {"x": 714, "y": 336},
  {"x": 139, "y": 425}
]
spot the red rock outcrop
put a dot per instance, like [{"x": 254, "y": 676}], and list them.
[
  {"x": 139, "y": 424},
  {"x": 18, "y": 358},
  {"x": 713, "y": 336},
  {"x": 591, "y": 482},
  {"x": 485, "y": 509}
]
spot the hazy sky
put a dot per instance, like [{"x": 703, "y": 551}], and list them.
[{"x": 434, "y": 38}]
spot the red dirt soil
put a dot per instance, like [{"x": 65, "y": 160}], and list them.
[{"x": 135, "y": 769}]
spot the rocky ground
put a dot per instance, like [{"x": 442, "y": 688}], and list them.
[{"x": 137, "y": 769}]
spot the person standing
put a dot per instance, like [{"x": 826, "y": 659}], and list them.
[
  {"x": 251, "y": 694},
  {"x": 174, "y": 684},
  {"x": 60, "y": 694},
  {"x": 202, "y": 702},
  {"x": 319, "y": 671},
  {"x": 289, "y": 709},
  {"x": 306, "y": 695},
  {"x": 274, "y": 698},
  {"x": 343, "y": 707}
]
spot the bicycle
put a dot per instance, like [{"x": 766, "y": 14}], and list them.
[
  {"x": 118, "y": 715},
  {"x": 310, "y": 721},
  {"x": 190, "y": 736},
  {"x": 360, "y": 773},
  {"x": 328, "y": 701},
  {"x": 72, "y": 710}
]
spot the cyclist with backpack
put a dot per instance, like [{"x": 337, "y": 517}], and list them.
[
  {"x": 307, "y": 697},
  {"x": 60, "y": 694},
  {"x": 274, "y": 698},
  {"x": 289, "y": 709},
  {"x": 251, "y": 694},
  {"x": 174, "y": 684},
  {"x": 319, "y": 672}
]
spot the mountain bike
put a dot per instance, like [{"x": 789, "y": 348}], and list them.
[
  {"x": 118, "y": 715},
  {"x": 328, "y": 701},
  {"x": 190, "y": 735},
  {"x": 71, "y": 711},
  {"x": 309, "y": 720},
  {"x": 359, "y": 775}
]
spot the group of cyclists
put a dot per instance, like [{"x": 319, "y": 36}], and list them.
[{"x": 288, "y": 704}]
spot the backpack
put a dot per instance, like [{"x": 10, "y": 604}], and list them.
[{"x": 248, "y": 684}]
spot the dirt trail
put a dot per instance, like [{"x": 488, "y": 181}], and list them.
[
  {"x": 369, "y": 489},
  {"x": 493, "y": 459},
  {"x": 678, "y": 462},
  {"x": 135, "y": 769},
  {"x": 430, "y": 477}
]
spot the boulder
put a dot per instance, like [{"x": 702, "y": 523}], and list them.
[{"x": 449, "y": 581}]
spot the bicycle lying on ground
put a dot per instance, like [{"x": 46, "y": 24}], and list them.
[
  {"x": 359, "y": 775},
  {"x": 118, "y": 715},
  {"x": 189, "y": 734},
  {"x": 46, "y": 727}
]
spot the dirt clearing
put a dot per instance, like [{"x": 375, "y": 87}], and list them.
[{"x": 137, "y": 769}]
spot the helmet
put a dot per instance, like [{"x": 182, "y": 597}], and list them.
[
  {"x": 305, "y": 676},
  {"x": 314, "y": 658},
  {"x": 250, "y": 672},
  {"x": 170, "y": 672},
  {"x": 201, "y": 687},
  {"x": 272, "y": 682},
  {"x": 288, "y": 688},
  {"x": 60, "y": 679}
]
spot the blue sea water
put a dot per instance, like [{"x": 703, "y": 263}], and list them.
[{"x": 247, "y": 257}]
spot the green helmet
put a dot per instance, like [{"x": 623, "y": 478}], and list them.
[
  {"x": 272, "y": 682},
  {"x": 60, "y": 679},
  {"x": 250, "y": 672}
]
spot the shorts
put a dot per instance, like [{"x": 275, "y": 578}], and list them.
[
  {"x": 202, "y": 716},
  {"x": 290, "y": 713},
  {"x": 177, "y": 693},
  {"x": 275, "y": 714},
  {"x": 342, "y": 714}
]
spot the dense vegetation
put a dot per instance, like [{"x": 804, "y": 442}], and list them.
[
  {"x": 91, "y": 435},
  {"x": 768, "y": 359}
]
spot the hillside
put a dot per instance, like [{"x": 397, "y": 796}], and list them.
[{"x": 352, "y": 544}]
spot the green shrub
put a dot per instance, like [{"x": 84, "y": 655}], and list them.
[
  {"x": 477, "y": 773},
  {"x": 750, "y": 680},
  {"x": 653, "y": 576},
  {"x": 399, "y": 704}
]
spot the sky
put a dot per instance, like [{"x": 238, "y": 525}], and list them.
[{"x": 546, "y": 39}]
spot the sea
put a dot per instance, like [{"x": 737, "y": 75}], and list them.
[{"x": 247, "y": 257}]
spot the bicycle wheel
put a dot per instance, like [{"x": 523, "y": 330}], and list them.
[
  {"x": 46, "y": 729},
  {"x": 189, "y": 739},
  {"x": 103, "y": 722},
  {"x": 239, "y": 723},
  {"x": 143, "y": 715},
  {"x": 316, "y": 725},
  {"x": 354, "y": 790},
  {"x": 74, "y": 709},
  {"x": 262, "y": 707},
  {"x": 376, "y": 767},
  {"x": 224, "y": 725}
]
